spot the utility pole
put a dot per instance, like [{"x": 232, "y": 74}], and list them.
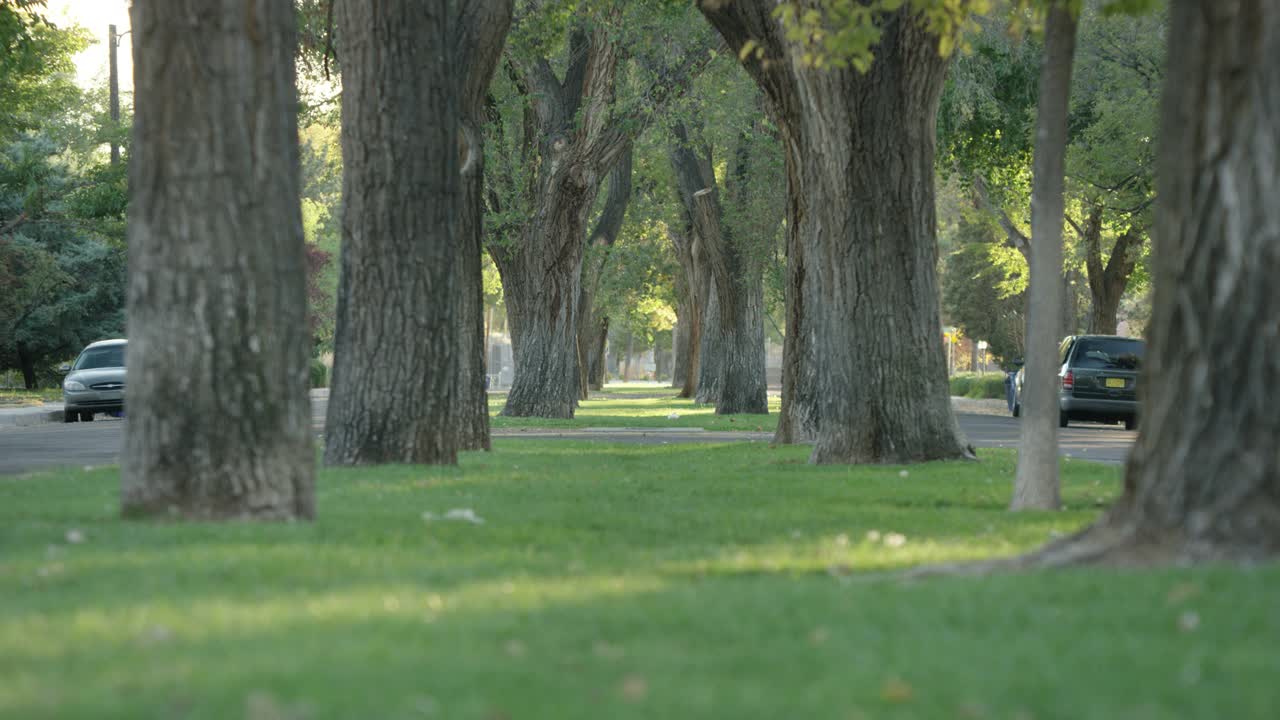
[{"x": 113, "y": 42}]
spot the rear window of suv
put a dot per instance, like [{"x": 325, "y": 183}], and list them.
[
  {"x": 1109, "y": 353},
  {"x": 111, "y": 356}
]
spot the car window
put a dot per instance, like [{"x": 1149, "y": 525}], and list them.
[
  {"x": 1064, "y": 350},
  {"x": 1109, "y": 354},
  {"x": 111, "y": 356}
]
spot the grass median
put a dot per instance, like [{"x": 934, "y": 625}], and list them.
[{"x": 581, "y": 580}]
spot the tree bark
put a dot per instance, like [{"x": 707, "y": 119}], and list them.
[
  {"x": 481, "y": 30},
  {"x": 680, "y": 340},
  {"x": 1203, "y": 480},
  {"x": 219, "y": 414},
  {"x": 394, "y": 394},
  {"x": 861, "y": 199},
  {"x": 1036, "y": 482}
]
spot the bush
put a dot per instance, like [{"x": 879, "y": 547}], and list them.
[
  {"x": 979, "y": 387},
  {"x": 319, "y": 374}
]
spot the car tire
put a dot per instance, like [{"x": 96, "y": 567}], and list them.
[
  {"x": 1017, "y": 410},
  {"x": 1063, "y": 419},
  {"x": 70, "y": 416},
  {"x": 86, "y": 417},
  {"x": 1131, "y": 423}
]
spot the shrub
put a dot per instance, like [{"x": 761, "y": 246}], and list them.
[
  {"x": 319, "y": 374},
  {"x": 978, "y": 387}
]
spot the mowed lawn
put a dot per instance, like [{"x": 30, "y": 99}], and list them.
[
  {"x": 640, "y": 405},
  {"x": 598, "y": 581}
]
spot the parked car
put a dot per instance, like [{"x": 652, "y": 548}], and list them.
[
  {"x": 94, "y": 382},
  {"x": 1097, "y": 380}
]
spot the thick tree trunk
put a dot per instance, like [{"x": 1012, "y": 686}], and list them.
[
  {"x": 481, "y": 28},
  {"x": 1203, "y": 480},
  {"x": 738, "y": 304},
  {"x": 626, "y": 360},
  {"x": 861, "y": 200},
  {"x": 540, "y": 284},
  {"x": 1036, "y": 483},
  {"x": 396, "y": 346},
  {"x": 711, "y": 349},
  {"x": 798, "y": 417},
  {"x": 219, "y": 415}
]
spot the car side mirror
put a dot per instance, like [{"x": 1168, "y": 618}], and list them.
[
  {"x": 1018, "y": 362},
  {"x": 64, "y": 368}
]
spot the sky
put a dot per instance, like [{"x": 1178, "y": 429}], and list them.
[{"x": 95, "y": 16}]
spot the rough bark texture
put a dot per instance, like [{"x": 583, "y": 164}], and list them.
[
  {"x": 481, "y": 30},
  {"x": 1036, "y": 484},
  {"x": 593, "y": 328},
  {"x": 860, "y": 158},
  {"x": 396, "y": 346},
  {"x": 219, "y": 415},
  {"x": 680, "y": 338}
]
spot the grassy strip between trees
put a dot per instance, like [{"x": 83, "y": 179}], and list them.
[
  {"x": 12, "y": 397},
  {"x": 641, "y": 406},
  {"x": 608, "y": 581}
]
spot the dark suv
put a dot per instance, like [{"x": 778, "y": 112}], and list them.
[{"x": 1097, "y": 380}]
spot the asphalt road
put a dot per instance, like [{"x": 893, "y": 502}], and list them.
[{"x": 50, "y": 445}]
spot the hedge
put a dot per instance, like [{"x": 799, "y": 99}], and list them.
[{"x": 979, "y": 387}]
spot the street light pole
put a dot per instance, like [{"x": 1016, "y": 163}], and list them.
[{"x": 112, "y": 43}]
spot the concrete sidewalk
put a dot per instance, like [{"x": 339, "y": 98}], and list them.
[{"x": 30, "y": 415}]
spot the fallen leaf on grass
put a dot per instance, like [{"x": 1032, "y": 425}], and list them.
[
  {"x": 896, "y": 690},
  {"x": 634, "y": 687}
]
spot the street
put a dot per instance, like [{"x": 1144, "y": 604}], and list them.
[{"x": 51, "y": 445}]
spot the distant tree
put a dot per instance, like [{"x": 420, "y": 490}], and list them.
[{"x": 219, "y": 416}]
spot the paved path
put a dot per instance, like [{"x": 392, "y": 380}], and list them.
[{"x": 23, "y": 449}]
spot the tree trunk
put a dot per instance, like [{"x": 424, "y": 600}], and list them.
[
  {"x": 1203, "y": 480},
  {"x": 1036, "y": 483},
  {"x": 1108, "y": 282},
  {"x": 738, "y": 303},
  {"x": 396, "y": 346},
  {"x": 605, "y": 234},
  {"x": 28, "y": 366},
  {"x": 680, "y": 342},
  {"x": 689, "y": 302},
  {"x": 219, "y": 415},
  {"x": 481, "y": 30},
  {"x": 597, "y": 371},
  {"x": 626, "y": 361},
  {"x": 861, "y": 151}
]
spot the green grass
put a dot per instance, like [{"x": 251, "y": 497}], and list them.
[
  {"x": 12, "y": 397},
  {"x": 614, "y": 582},
  {"x": 641, "y": 406}
]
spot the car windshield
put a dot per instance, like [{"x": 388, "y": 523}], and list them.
[
  {"x": 111, "y": 356},
  {"x": 1109, "y": 354}
]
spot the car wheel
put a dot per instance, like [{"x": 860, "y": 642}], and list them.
[
  {"x": 70, "y": 416},
  {"x": 1131, "y": 423},
  {"x": 86, "y": 417},
  {"x": 1063, "y": 419},
  {"x": 1017, "y": 410}
]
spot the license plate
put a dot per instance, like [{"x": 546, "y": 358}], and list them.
[{"x": 1115, "y": 382}]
